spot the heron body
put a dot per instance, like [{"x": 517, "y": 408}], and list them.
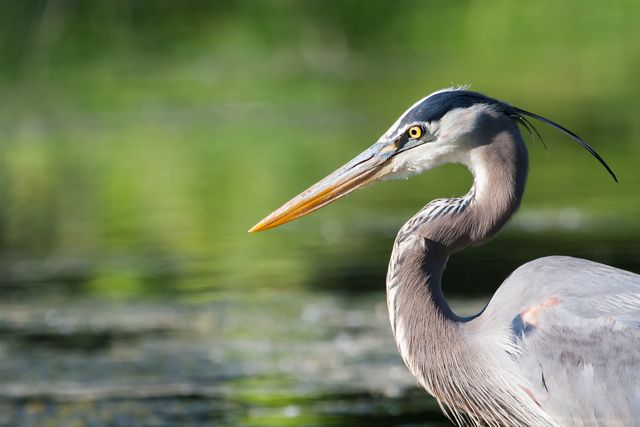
[{"x": 559, "y": 342}]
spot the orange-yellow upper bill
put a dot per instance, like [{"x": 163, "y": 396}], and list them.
[{"x": 362, "y": 170}]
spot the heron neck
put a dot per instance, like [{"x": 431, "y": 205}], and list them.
[
  {"x": 427, "y": 331},
  {"x": 499, "y": 174}
]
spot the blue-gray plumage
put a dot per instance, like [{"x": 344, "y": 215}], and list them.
[{"x": 559, "y": 342}]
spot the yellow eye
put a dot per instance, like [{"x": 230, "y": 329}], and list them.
[{"x": 415, "y": 132}]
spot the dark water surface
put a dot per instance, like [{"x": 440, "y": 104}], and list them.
[{"x": 272, "y": 359}]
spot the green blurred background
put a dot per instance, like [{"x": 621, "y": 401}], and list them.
[{"x": 139, "y": 140}]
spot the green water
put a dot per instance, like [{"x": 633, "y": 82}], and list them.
[
  {"x": 270, "y": 359},
  {"x": 140, "y": 140}
]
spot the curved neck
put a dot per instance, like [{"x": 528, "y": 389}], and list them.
[
  {"x": 499, "y": 174},
  {"x": 427, "y": 331}
]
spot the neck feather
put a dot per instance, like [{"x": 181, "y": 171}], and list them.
[
  {"x": 499, "y": 170},
  {"x": 429, "y": 335}
]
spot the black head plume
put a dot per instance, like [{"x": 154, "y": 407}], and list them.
[{"x": 519, "y": 116}]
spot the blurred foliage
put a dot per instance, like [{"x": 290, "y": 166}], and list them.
[{"x": 139, "y": 140}]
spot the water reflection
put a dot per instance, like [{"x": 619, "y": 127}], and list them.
[{"x": 283, "y": 358}]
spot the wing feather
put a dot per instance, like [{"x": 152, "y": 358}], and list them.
[{"x": 576, "y": 324}]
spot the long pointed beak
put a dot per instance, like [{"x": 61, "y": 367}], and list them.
[{"x": 362, "y": 170}]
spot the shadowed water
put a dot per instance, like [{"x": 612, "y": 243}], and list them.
[{"x": 282, "y": 358}]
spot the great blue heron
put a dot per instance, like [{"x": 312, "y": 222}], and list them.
[{"x": 559, "y": 342}]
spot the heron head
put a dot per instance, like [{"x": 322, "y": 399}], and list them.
[{"x": 440, "y": 128}]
